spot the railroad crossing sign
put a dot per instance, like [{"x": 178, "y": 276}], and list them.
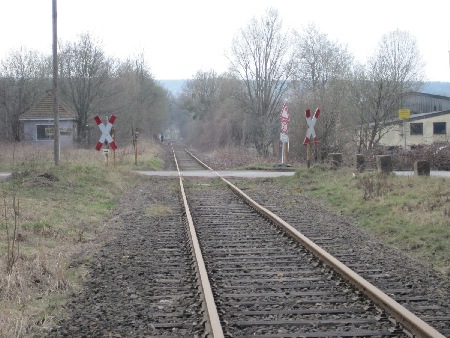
[
  {"x": 284, "y": 126},
  {"x": 285, "y": 118},
  {"x": 284, "y": 138},
  {"x": 311, "y": 121},
  {"x": 105, "y": 132},
  {"x": 284, "y": 115}
]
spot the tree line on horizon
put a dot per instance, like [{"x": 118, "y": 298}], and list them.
[
  {"x": 90, "y": 83},
  {"x": 268, "y": 66}
]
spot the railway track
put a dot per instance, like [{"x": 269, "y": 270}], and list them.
[
  {"x": 263, "y": 282},
  {"x": 214, "y": 266}
]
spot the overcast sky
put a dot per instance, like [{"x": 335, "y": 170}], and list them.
[{"x": 180, "y": 37}]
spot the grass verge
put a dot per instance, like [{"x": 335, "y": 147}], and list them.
[
  {"x": 409, "y": 213},
  {"x": 52, "y": 218}
]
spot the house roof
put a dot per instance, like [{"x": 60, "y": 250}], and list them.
[
  {"x": 422, "y": 116},
  {"x": 433, "y": 96},
  {"x": 414, "y": 117},
  {"x": 43, "y": 110}
]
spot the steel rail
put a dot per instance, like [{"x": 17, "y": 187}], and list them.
[
  {"x": 212, "y": 317},
  {"x": 410, "y": 321}
]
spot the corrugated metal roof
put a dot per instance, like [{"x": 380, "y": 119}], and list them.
[{"x": 44, "y": 110}]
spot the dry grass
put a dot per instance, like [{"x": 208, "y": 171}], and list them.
[
  {"x": 62, "y": 214},
  {"x": 409, "y": 213},
  {"x": 158, "y": 210}
]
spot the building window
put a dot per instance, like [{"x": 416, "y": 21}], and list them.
[
  {"x": 439, "y": 128},
  {"x": 44, "y": 132},
  {"x": 416, "y": 128}
]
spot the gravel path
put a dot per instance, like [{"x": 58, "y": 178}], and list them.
[{"x": 141, "y": 282}]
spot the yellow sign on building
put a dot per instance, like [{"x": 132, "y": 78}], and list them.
[{"x": 404, "y": 113}]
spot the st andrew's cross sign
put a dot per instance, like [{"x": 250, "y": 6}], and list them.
[
  {"x": 106, "y": 133},
  {"x": 311, "y": 121}
]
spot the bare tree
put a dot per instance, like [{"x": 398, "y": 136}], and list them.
[
  {"x": 260, "y": 57},
  {"x": 395, "y": 70},
  {"x": 322, "y": 73},
  {"x": 24, "y": 77},
  {"x": 359, "y": 91},
  {"x": 230, "y": 119},
  {"x": 210, "y": 100},
  {"x": 141, "y": 102},
  {"x": 200, "y": 95},
  {"x": 86, "y": 74}
]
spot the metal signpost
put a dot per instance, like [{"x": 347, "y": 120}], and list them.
[
  {"x": 402, "y": 115},
  {"x": 284, "y": 138},
  {"x": 135, "y": 135},
  {"x": 106, "y": 154},
  {"x": 310, "y": 133}
]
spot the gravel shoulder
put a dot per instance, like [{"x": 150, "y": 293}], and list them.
[{"x": 140, "y": 274}]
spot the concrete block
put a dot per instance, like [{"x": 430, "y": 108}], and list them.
[
  {"x": 360, "y": 163},
  {"x": 384, "y": 164},
  {"x": 335, "y": 160},
  {"x": 422, "y": 168}
]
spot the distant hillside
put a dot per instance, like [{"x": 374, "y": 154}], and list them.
[
  {"x": 435, "y": 88},
  {"x": 173, "y": 86}
]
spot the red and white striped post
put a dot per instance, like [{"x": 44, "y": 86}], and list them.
[{"x": 285, "y": 118}]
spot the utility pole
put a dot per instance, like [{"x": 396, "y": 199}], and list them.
[{"x": 55, "y": 85}]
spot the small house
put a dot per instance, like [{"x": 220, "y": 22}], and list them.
[{"x": 38, "y": 122}]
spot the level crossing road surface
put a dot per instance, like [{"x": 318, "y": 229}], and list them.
[
  {"x": 207, "y": 173},
  {"x": 224, "y": 173},
  {"x": 432, "y": 173},
  {"x": 245, "y": 173},
  {"x": 259, "y": 173},
  {"x": 4, "y": 175}
]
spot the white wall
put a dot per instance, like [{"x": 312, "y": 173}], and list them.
[
  {"x": 30, "y": 130},
  {"x": 395, "y": 137}
]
